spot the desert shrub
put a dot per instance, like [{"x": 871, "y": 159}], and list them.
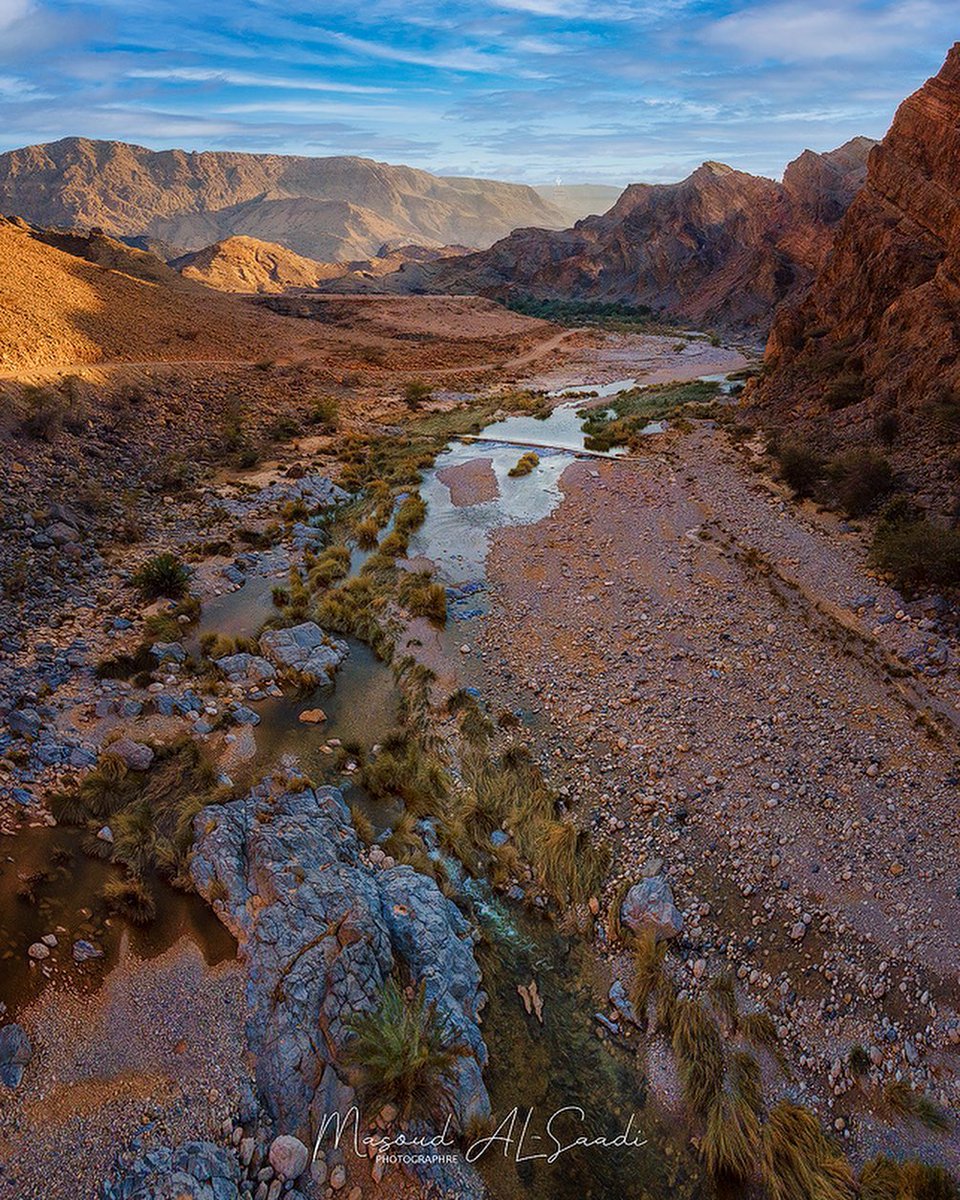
[
  {"x": 860, "y": 478},
  {"x": 647, "y": 969},
  {"x": 44, "y": 413},
  {"x": 917, "y": 1106},
  {"x": 884, "y": 1179},
  {"x": 916, "y": 552},
  {"x": 323, "y": 413},
  {"x": 416, "y": 393},
  {"x": 797, "y": 1160},
  {"x": 698, "y": 1050},
  {"x": 402, "y": 1053},
  {"x": 130, "y": 898},
  {"x": 801, "y": 468},
  {"x": 525, "y": 464},
  {"x": 162, "y": 575},
  {"x": 282, "y": 429},
  {"x": 847, "y": 388}
]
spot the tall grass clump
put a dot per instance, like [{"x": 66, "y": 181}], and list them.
[{"x": 402, "y": 1053}]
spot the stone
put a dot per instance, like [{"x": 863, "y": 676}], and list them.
[
  {"x": 338, "y": 1177},
  {"x": 83, "y": 950},
  {"x": 305, "y": 649},
  {"x": 25, "y": 721},
  {"x": 15, "y": 1053},
  {"x": 649, "y": 904},
  {"x": 191, "y": 1171},
  {"x": 244, "y": 715},
  {"x": 105, "y": 834},
  {"x": 136, "y": 755},
  {"x": 168, "y": 652},
  {"x": 249, "y": 669},
  {"x": 288, "y": 1156},
  {"x": 38, "y": 951},
  {"x": 312, "y": 716}
]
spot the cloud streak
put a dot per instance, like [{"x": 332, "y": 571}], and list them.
[{"x": 592, "y": 90}]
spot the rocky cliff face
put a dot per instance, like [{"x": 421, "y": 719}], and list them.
[
  {"x": 329, "y": 209},
  {"x": 873, "y": 349},
  {"x": 320, "y": 927},
  {"x": 719, "y": 248}
]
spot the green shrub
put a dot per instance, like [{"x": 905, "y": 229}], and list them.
[
  {"x": 162, "y": 575},
  {"x": 525, "y": 464},
  {"x": 416, "y": 393},
  {"x": 859, "y": 479},
  {"x": 917, "y": 553},
  {"x": 402, "y": 1053},
  {"x": 130, "y": 898},
  {"x": 801, "y": 468}
]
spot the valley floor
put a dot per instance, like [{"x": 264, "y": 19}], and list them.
[{"x": 725, "y": 688}]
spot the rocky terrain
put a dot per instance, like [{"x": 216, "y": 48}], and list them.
[
  {"x": 246, "y": 265},
  {"x": 872, "y": 352},
  {"x": 328, "y": 209},
  {"x": 66, "y": 301},
  {"x": 721, "y": 248}
]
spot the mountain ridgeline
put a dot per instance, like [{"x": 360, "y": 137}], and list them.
[
  {"x": 327, "y": 209},
  {"x": 721, "y": 248}
]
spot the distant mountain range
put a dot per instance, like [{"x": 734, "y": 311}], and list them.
[
  {"x": 721, "y": 248},
  {"x": 328, "y": 209}
]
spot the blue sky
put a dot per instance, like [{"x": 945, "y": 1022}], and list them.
[{"x": 607, "y": 91}]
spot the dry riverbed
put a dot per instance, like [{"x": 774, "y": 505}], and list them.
[{"x": 712, "y": 667}]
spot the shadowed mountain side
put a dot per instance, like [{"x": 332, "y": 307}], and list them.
[{"x": 719, "y": 248}]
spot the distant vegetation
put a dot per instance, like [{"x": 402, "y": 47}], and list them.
[{"x": 584, "y": 312}]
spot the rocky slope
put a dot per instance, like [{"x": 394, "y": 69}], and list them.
[
  {"x": 247, "y": 265},
  {"x": 719, "y": 248},
  {"x": 874, "y": 348},
  {"x": 329, "y": 209},
  {"x": 70, "y": 299}
]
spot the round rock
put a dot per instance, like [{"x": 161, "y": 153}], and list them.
[{"x": 288, "y": 1156}]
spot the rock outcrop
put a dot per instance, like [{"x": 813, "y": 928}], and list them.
[
  {"x": 248, "y": 265},
  {"x": 192, "y": 1171},
  {"x": 328, "y": 209},
  {"x": 721, "y": 248},
  {"x": 873, "y": 350},
  {"x": 321, "y": 928},
  {"x": 305, "y": 650}
]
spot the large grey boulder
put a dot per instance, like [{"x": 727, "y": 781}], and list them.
[
  {"x": 305, "y": 649},
  {"x": 320, "y": 932},
  {"x": 15, "y": 1053},
  {"x": 248, "y": 669},
  {"x": 649, "y": 904}
]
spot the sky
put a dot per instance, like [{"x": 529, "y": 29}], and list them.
[{"x": 599, "y": 91}]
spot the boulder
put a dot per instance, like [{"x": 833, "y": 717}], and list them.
[
  {"x": 305, "y": 649},
  {"x": 310, "y": 913},
  {"x": 15, "y": 1053},
  {"x": 288, "y": 1156},
  {"x": 249, "y": 669},
  {"x": 168, "y": 652},
  {"x": 136, "y": 755},
  {"x": 25, "y": 721},
  {"x": 649, "y": 904}
]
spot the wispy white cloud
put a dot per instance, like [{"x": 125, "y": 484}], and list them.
[{"x": 248, "y": 79}]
